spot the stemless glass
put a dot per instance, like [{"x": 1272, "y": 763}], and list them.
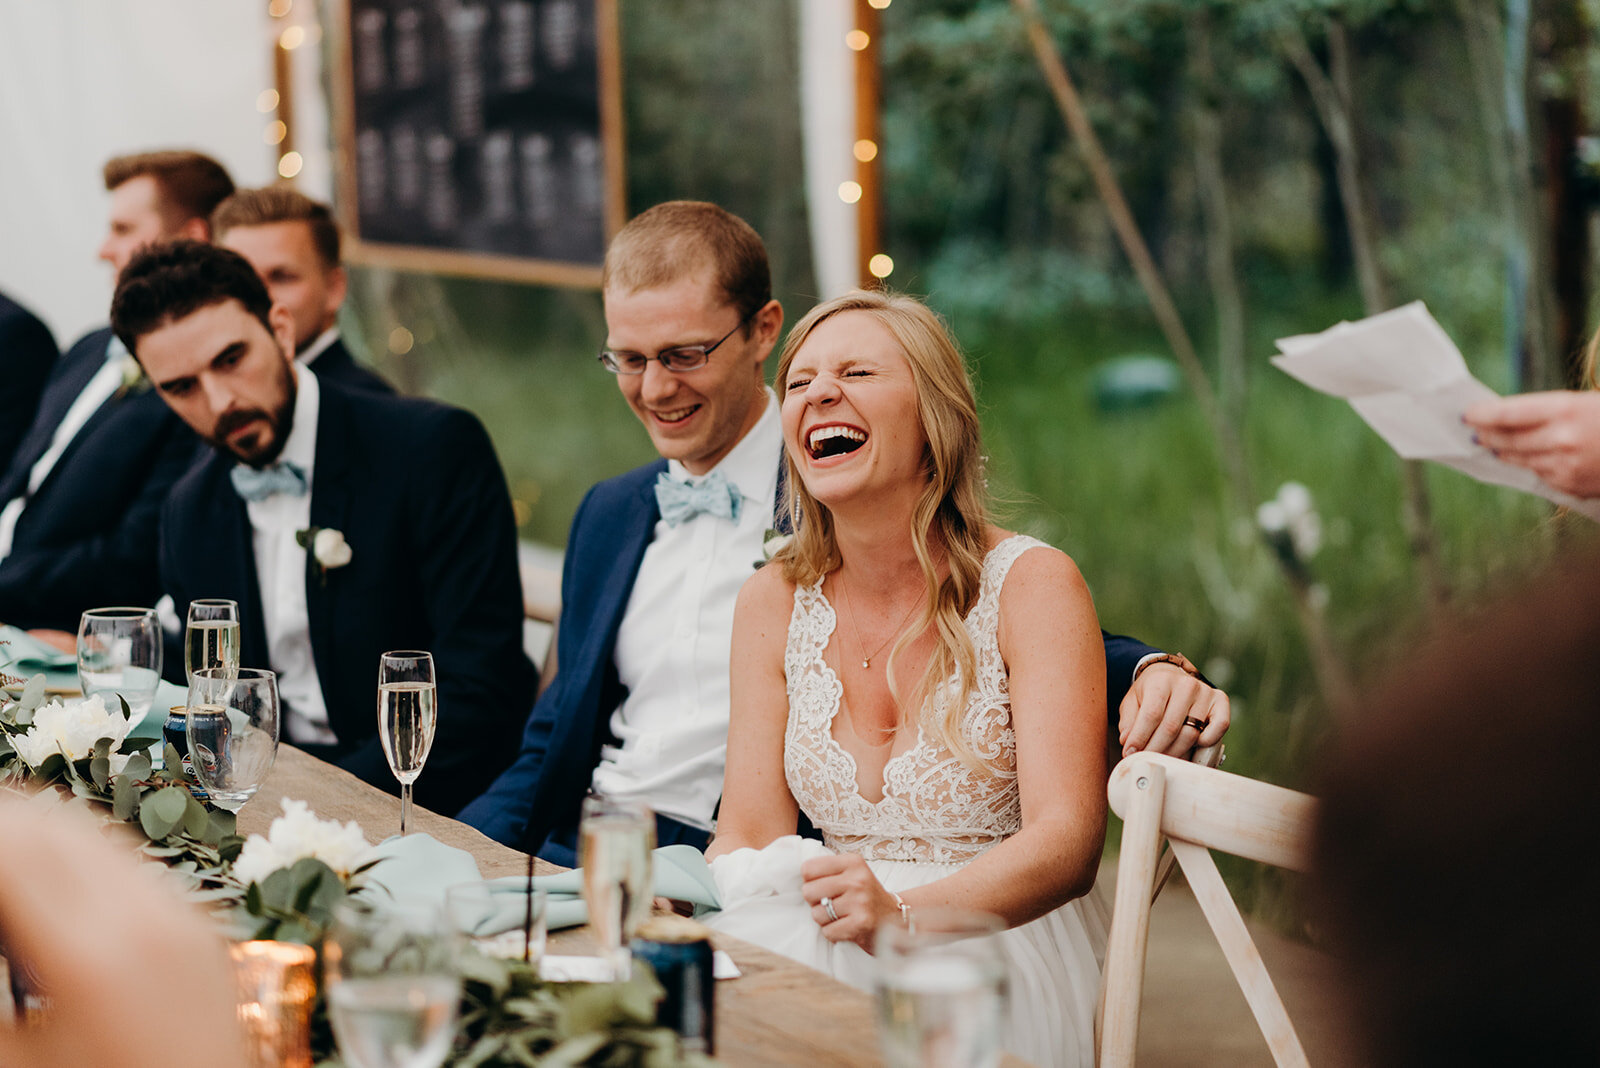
[
  {"x": 407, "y": 713},
  {"x": 941, "y": 990},
  {"x": 212, "y": 637},
  {"x": 119, "y": 655},
  {"x": 615, "y": 842},
  {"x": 232, "y": 730},
  {"x": 392, "y": 984}
]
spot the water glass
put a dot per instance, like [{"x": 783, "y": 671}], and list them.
[
  {"x": 616, "y": 840},
  {"x": 232, "y": 730},
  {"x": 502, "y": 919},
  {"x": 211, "y": 639},
  {"x": 941, "y": 990},
  {"x": 119, "y": 655},
  {"x": 392, "y": 982},
  {"x": 407, "y": 714}
]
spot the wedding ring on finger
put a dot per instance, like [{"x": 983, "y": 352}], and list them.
[
  {"x": 827, "y": 905},
  {"x": 1197, "y": 724}
]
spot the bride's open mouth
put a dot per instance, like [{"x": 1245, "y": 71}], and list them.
[{"x": 834, "y": 439}]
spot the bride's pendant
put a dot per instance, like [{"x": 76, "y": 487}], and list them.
[{"x": 865, "y": 664}]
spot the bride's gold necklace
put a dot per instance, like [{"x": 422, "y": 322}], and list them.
[{"x": 866, "y": 658}]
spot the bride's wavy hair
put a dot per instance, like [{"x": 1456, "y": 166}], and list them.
[{"x": 951, "y": 516}]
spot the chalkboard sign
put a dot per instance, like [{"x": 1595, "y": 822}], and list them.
[{"x": 481, "y": 136}]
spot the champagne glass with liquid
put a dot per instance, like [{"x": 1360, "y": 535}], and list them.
[
  {"x": 212, "y": 637},
  {"x": 232, "y": 730},
  {"x": 407, "y": 713},
  {"x": 119, "y": 655},
  {"x": 616, "y": 840},
  {"x": 392, "y": 982}
]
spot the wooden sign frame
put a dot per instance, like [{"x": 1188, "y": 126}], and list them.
[{"x": 440, "y": 257}]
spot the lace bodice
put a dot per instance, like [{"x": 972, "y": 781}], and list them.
[{"x": 934, "y": 808}]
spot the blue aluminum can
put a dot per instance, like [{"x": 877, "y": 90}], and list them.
[{"x": 678, "y": 951}]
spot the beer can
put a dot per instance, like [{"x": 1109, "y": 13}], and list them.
[
  {"x": 678, "y": 951},
  {"x": 174, "y": 732}
]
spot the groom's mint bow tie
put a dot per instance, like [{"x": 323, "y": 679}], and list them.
[
  {"x": 259, "y": 483},
  {"x": 681, "y": 501}
]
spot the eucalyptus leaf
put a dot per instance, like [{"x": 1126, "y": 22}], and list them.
[
  {"x": 101, "y": 748},
  {"x": 195, "y": 817},
  {"x": 277, "y": 890},
  {"x": 172, "y": 760},
  {"x": 138, "y": 766},
  {"x": 252, "y": 899},
  {"x": 31, "y": 698},
  {"x": 230, "y": 848},
  {"x": 51, "y": 767},
  {"x": 124, "y": 796},
  {"x": 100, "y": 770}
]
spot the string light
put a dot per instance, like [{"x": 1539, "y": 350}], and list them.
[
  {"x": 866, "y": 151},
  {"x": 292, "y": 38},
  {"x": 275, "y": 132},
  {"x": 289, "y": 164},
  {"x": 279, "y": 8},
  {"x": 400, "y": 341},
  {"x": 879, "y": 4},
  {"x": 267, "y": 102},
  {"x": 849, "y": 192},
  {"x": 881, "y": 266},
  {"x": 857, "y": 40}
]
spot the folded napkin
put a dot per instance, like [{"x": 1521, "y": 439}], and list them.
[
  {"x": 418, "y": 869},
  {"x": 23, "y": 654}
]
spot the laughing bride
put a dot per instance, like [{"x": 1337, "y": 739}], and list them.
[{"x": 927, "y": 688}]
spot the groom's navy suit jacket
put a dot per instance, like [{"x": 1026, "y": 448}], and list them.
[
  {"x": 418, "y": 493},
  {"x": 87, "y": 537},
  {"x": 541, "y": 794}
]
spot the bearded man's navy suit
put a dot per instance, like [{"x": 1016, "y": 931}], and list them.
[
  {"x": 417, "y": 491},
  {"x": 540, "y": 796}
]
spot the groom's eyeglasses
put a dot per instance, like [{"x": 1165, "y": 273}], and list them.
[{"x": 681, "y": 358}]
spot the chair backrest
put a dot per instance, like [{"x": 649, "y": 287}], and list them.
[{"x": 1196, "y": 809}]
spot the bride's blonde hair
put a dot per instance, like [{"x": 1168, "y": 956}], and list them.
[{"x": 953, "y": 507}]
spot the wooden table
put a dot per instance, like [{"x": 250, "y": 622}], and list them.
[{"x": 777, "y": 1012}]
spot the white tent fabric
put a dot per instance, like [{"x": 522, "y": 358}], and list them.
[
  {"x": 828, "y": 123},
  {"x": 84, "y": 80}
]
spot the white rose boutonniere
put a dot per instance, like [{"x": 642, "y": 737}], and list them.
[
  {"x": 773, "y": 542},
  {"x": 133, "y": 378},
  {"x": 326, "y": 547}
]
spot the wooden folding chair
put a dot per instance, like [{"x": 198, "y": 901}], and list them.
[{"x": 1195, "y": 809}]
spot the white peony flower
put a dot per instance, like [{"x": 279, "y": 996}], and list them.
[
  {"x": 297, "y": 834},
  {"x": 330, "y": 549},
  {"x": 71, "y": 729}
]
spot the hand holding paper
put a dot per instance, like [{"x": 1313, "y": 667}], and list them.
[{"x": 1556, "y": 435}]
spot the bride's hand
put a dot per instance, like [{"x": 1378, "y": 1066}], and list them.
[{"x": 859, "y": 901}]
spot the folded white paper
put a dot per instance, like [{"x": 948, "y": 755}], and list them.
[{"x": 1402, "y": 374}]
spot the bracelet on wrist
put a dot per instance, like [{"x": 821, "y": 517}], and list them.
[{"x": 905, "y": 912}]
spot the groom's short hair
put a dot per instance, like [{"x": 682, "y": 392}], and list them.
[
  {"x": 670, "y": 241},
  {"x": 167, "y": 282}
]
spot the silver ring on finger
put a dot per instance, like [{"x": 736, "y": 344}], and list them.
[{"x": 827, "y": 906}]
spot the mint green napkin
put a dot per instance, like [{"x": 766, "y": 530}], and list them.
[
  {"x": 418, "y": 869},
  {"x": 22, "y": 654}
]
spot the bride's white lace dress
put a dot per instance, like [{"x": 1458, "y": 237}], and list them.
[{"x": 936, "y": 815}]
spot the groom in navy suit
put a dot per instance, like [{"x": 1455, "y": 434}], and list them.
[
  {"x": 81, "y": 495},
  {"x": 638, "y": 707},
  {"x": 345, "y": 523}
]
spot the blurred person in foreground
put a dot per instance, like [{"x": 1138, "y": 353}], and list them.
[
  {"x": 27, "y": 353},
  {"x": 81, "y": 497},
  {"x": 1555, "y": 433},
  {"x": 344, "y": 522},
  {"x": 96, "y": 926},
  {"x": 293, "y": 243},
  {"x": 1455, "y": 874},
  {"x": 967, "y": 766},
  {"x": 638, "y": 708}
]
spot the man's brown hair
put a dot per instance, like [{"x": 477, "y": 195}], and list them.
[
  {"x": 191, "y": 184},
  {"x": 673, "y": 240},
  {"x": 276, "y": 204}
]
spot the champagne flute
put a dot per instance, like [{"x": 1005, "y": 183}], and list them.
[
  {"x": 392, "y": 984},
  {"x": 941, "y": 988},
  {"x": 407, "y": 713},
  {"x": 232, "y": 730},
  {"x": 119, "y": 655},
  {"x": 212, "y": 637},
  {"x": 615, "y": 842}
]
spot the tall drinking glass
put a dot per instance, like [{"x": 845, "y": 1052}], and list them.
[
  {"x": 941, "y": 990},
  {"x": 212, "y": 637},
  {"x": 119, "y": 655},
  {"x": 392, "y": 984},
  {"x": 615, "y": 843},
  {"x": 407, "y": 713},
  {"x": 232, "y": 730}
]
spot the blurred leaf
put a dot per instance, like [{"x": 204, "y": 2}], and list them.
[{"x": 100, "y": 770}]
